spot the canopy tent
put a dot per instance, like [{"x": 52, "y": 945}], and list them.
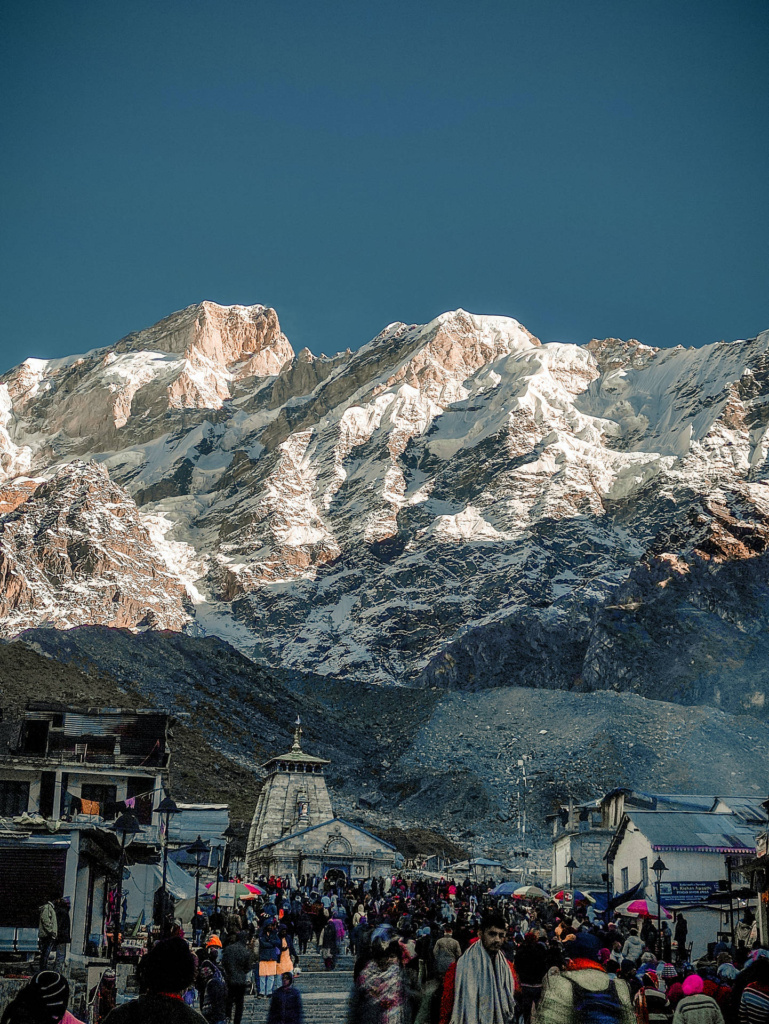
[
  {"x": 572, "y": 896},
  {"x": 477, "y": 865},
  {"x": 600, "y": 900},
  {"x": 643, "y": 908},
  {"x": 145, "y": 879}
]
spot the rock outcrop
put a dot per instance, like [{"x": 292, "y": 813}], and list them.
[
  {"x": 452, "y": 504},
  {"x": 76, "y": 551}
]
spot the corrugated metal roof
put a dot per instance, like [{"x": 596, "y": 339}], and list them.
[
  {"x": 209, "y": 821},
  {"x": 694, "y": 830},
  {"x": 749, "y": 809}
]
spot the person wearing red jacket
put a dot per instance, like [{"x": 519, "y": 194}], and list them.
[{"x": 480, "y": 987}]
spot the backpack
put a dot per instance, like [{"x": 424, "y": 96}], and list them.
[{"x": 597, "y": 1007}]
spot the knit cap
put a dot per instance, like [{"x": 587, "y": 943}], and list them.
[
  {"x": 584, "y": 946},
  {"x": 53, "y": 990},
  {"x": 693, "y": 985}
]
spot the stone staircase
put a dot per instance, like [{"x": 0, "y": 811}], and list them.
[{"x": 324, "y": 993}]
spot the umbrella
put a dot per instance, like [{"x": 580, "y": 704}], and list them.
[
  {"x": 643, "y": 908},
  {"x": 579, "y": 897},
  {"x": 235, "y": 890},
  {"x": 532, "y": 892},
  {"x": 505, "y": 889},
  {"x": 253, "y": 889}
]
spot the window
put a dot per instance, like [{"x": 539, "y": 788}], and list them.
[
  {"x": 103, "y": 795},
  {"x": 141, "y": 788},
  {"x": 644, "y": 871},
  {"x": 14, "y": 798},
  {"x": 36, "y": 737},
  {"x": 624, "y": 883}
]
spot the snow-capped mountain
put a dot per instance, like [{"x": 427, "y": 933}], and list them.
[{"x": 453, "y": 502}]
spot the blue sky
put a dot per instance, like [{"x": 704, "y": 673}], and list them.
[{"x": 590, "y": 168}]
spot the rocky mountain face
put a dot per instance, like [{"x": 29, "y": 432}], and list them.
[
  {"x": 76, "y": 550},
  {"x": 452, "y": 505},
  {"x": 409, "y": 759}
]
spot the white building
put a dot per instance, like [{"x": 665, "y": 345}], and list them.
[
  {"x": 66, "y": 773},
  {"x": 700, "y": 850},
  {"x": 694, "y": 846}
]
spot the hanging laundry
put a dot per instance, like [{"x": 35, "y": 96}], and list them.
[
  {"x": 131, "y": 802},
  {"x": 90, "y": 806}
]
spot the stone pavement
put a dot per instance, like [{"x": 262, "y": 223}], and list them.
[{"x": 325, "y": 994}]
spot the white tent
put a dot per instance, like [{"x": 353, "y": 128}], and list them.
[{"x": 145, "y": 879}]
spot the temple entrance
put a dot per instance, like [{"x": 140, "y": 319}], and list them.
[{"x": 334, "y": 873}]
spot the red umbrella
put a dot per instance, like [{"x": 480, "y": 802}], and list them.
[
  {"x": 579, "y": 897},
  {"x": 254, "y": 889},
  {"x": 643, "y": 908}
]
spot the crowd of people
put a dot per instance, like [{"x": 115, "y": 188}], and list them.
[{"x": 428, "y": 952}]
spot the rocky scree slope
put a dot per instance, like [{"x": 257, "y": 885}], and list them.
[
  {"x": 452, "y": 504},
  {"x": 411, "y": 759}
]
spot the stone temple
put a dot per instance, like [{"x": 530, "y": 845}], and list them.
[{"x": 294, "y": 831}]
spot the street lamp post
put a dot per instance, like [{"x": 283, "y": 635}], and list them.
[
  {"x": 229, "y": 833},
  {"x": 125, "y": 825},
  {"x": 570, "y": 865},
  {"x": 658, "y": 867},
  {"x": 731, "y": 902},
  {"x": 607, "y": 878},
  {"x": 198, "y": 849},
  {"x": 167, "y": 806}
]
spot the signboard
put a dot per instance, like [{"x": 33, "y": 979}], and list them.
[
  {"x": 568, "y": 897},
  {"x": 686, "y": 892}
]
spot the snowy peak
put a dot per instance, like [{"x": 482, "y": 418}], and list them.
[
  {"x": 382, "y": 511},
  {"x": 248, "y": 337},
  {"x": 113, "y": 396}
]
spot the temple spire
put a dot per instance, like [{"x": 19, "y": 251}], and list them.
[{"x": 297, "y": 735}]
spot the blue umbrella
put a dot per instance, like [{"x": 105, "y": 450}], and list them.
[{"x": 505, "y": 889}]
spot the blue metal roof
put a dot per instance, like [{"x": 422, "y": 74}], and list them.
[{"x": 693, "y": 830}]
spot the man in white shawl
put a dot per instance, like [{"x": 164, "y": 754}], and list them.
[{"x": 480, "y": 987}]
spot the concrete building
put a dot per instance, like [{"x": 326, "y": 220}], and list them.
[
  {"x": 701, "y": 850},
  {"x": 66, "y": 773},
  {"x": 693, "y": 845},
  {"x": 580, "y": 836},
  {"x": 294, "y": 831},
  {"x": 58, "y": 760},
  {"x": 583, "y": 832}
]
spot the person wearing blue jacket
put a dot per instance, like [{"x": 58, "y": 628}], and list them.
[{"x": 286, "y": 1003}]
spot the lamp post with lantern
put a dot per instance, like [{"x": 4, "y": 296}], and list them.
[
  {"x": 125, "y": 825},
  {"x": 570, "y": 866},
  {"x": 199, "y": 849},
  {"x": 658, "y": 867}
]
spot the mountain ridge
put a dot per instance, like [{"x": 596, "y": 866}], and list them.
[{"x": 448, "y": 499}]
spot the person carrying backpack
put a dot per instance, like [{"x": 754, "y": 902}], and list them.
[
  {"x": 584, "y": 993},
  {"x": 213, "y": 1002}
]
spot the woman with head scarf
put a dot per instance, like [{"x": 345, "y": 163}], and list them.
[{"x": 380, "y": 995}]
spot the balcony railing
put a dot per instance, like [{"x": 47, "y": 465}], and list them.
[{"x": 96, "y": 759}]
